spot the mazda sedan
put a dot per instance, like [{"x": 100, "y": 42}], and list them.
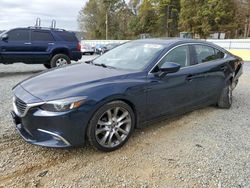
[{"x": 102, "y": 101}]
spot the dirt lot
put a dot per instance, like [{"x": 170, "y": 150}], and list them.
[{"x": 206, "y": 148}]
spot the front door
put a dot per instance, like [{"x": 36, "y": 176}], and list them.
[{"x": 17, "y": 48}]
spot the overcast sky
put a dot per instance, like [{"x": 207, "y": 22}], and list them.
[{"x": 21, "y": 13}]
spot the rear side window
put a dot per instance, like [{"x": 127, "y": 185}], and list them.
[
  {"x": 178, "y": 55},
  {"x": 18, "y": 35},
  {"x": 41, "y": 36},
  {"x": 207, "y": 53},
  {"x": 219, "y": 54},
  {"x": 66, "y": 36}
]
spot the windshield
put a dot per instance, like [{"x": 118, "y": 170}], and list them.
[{"x": 130, "y": 56}]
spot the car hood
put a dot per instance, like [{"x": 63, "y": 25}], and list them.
[{"x": 70, "y": 81}]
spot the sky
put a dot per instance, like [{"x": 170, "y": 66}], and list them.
[{"x": 23, "y": 13}]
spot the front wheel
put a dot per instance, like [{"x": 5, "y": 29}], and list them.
[
  {"x": 226, "y": 98},
  {"x": 111, "y": 126},
  {"x": 59, "y": 60}
]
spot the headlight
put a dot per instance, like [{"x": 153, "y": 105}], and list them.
[{"x": 63, "y": 104}]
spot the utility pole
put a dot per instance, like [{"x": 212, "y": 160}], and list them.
[
  {"x": 167, "y": 34},
  {"x": 107, "y": 24},
  {"x": 108, "y": 6}
]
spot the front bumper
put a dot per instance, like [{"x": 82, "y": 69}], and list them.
[
  {"x": 57, "y": 131},
  {"x": 45, "y": 138},
  {"x": 50, "y": 129}
]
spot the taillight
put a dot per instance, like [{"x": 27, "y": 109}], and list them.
[{"x": 78, "y": 46}]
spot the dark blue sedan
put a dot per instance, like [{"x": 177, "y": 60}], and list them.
[{"x": 102, "y": 101}]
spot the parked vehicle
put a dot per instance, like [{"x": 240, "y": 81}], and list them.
[
  {"x": 100, "y": 49},
  {"x": 126, "y": 88},
  {"x": 37, "y": 45},
  {"x": 87, "y": 49},
  {"x": 110, "y": 46}
]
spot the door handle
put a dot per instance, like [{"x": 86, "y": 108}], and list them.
[
  {"x": 27, "y": 43},
  {"x": 189, "y": 77},
  {"x": 51, "y": 43}
]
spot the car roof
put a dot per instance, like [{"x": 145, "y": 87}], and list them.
[
  {"x": 171, "y": 41},
  {"x": 41, "y": 29}
]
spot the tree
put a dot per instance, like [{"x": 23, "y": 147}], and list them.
[
  {"x": 167, "y": 17},
  {"x": 129, "y": 19},
  {"x": 97, "y": 13},
  {"x": 91, "y": 19},
  {"x": 146, "y": 18},
  {"x": 203, "y": 17}
]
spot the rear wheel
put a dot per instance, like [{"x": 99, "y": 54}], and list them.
[
  {"x": 226, "y": 98},
  {"x": 59, "y": 60},
  {"x": 111, "y": 126}
]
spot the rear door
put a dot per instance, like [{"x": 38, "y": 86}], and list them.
[
  {"x": 210, "y": 75},
  {"x": 42, "y": 42},
  {"x": 18, "y": 46}
]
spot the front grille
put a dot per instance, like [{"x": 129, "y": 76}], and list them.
[{"x": 20, "y": 105}]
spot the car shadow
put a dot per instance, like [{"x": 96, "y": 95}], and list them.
[{"x": 23, "y": 73}]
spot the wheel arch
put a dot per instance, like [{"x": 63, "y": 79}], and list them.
[
  {"x": 64, "y": 51},
  {"x": 113, "y": 99}
]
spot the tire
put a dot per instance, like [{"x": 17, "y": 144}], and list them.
[
  {"x": 111, "y": 126},
  {"x": 59, "y": 60},
  {"x": 47, "y": 66},
  {"x": 226, "y": 98}
]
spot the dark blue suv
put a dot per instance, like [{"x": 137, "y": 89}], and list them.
[{"x": 36, "y": 45}]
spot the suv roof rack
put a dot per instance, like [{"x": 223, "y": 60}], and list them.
[
  {"x": 45, "y": 28},
  {"x": 38, "y": 26}
]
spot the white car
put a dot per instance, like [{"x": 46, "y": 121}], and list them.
[{"x": 87, "y": 49}]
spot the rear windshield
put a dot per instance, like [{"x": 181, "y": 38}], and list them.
[{"x": 67, "y": 36}]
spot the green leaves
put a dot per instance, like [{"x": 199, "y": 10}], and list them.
[
  {"x": 205, "y": 17},
  {"x": 158, "y": 18}
]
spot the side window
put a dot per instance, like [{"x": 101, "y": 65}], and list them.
[
  {"x": 178, "y": 55},
  {"x": 219, "y": 54},
  {"x": 206, "y": 53},
  {"x": 67, "y": 36},
  {"x": 18, "y": 35},
  {"x": 41, "y": 36}
]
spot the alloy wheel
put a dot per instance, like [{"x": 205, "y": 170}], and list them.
[
  {"x": 113, "y": 127},
  {"x": 61, "y": 62}
]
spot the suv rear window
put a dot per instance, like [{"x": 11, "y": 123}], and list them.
[
  {"x": 69, "y": 37},
  {"x": 41, "y": 36}
]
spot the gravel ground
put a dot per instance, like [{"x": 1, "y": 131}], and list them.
[{"x": 206, "y": 148}]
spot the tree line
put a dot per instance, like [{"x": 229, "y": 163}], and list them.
[{"x": 120, "y": 19}]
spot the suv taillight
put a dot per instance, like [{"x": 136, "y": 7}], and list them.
[{"x": 78, "y": 46}]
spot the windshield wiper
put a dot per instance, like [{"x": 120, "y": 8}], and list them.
[
  {"x": 89, "y": 62},
  {"x": 103, "y": 65}
]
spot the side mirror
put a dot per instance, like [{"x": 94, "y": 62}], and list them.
[
  {"x": 4, "y": 37},
  {"x": 169, "y": 67}
]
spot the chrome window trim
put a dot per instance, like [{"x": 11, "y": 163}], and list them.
[{"x": 186, "y": 44}]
